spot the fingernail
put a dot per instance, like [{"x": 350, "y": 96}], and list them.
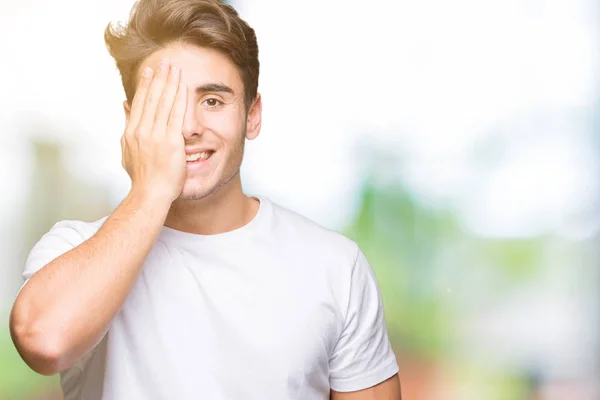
[{"x": 147, "y": 72}]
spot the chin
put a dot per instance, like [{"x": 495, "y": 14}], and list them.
[
  {"x": 196, "y": 189},
  {"x": 196, "y": 193}
]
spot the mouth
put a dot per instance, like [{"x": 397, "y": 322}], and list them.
[{"x": 199, "y": 158}]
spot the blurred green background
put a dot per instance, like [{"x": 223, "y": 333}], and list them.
[{"x": 458, "y": 144}]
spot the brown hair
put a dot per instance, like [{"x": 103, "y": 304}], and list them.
[{"x": 154, "y": 24}]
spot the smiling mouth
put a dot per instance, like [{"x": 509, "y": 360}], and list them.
[{"x": 199, "y": 157}]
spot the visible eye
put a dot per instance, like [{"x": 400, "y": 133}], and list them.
[{"x": 212, "y": 102}]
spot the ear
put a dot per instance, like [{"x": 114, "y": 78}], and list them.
[
  {"x": 254, "y": 119},
  {"x": 127, "y": 110}
]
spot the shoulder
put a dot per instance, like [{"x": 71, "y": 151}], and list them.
[
  {"x": 62, "y": 237},
  {"x": 308, "y": 234},
  {"x": 73, "y": 231}
]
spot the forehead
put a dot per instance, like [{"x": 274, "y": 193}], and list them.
[{"x": 199, "y": 65}]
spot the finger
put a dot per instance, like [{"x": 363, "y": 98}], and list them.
[
  {"x": 139, "y": 99},
  {"x": 175, "y": 124},
  {"x": 154, "y": 93},
  {"x": 167, "y": 99}
]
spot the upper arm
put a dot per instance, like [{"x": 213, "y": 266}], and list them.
[
  {"x": 362, "y": 357},
  {"x": 61, "y": 238},
  {"x": 386, "y": 390}
]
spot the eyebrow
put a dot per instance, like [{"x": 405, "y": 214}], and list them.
[{"x": 213, "y": 87}]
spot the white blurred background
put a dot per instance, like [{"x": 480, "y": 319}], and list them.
[{"x": 457, "y": 142}]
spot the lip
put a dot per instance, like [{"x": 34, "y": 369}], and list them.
[
  {"x": 196, "y": 150},
  {"x": 199, "y": 164}
]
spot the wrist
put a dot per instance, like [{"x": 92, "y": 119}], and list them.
[{"x": 145, "y": 199}]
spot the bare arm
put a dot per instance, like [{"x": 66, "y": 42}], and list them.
[
  {"x": 386, "y": 390},
  {"x": 65, "y": 309}
]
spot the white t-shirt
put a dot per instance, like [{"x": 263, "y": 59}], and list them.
[{"x": 281, "y": 308}]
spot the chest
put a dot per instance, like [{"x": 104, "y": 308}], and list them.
[{"x": 203, "y": 322}]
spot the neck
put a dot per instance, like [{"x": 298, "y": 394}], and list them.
[{"x": 225, "y": 210}]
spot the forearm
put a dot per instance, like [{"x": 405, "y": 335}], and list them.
[{"x": 65, "y": 308}]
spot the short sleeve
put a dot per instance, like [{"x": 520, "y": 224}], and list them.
[
  {"x": 363, "y": 356},
  {"x": 61, "y": 238}
]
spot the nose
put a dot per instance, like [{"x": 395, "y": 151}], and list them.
[{"x": 192, "y": 124}]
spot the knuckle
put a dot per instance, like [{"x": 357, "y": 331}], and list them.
[
  {"x": 157, "y": 129},
  {"x": 156, "y": 140},
  {"x": 141, "y": 130},
  {"x": 160, "y": 110}
]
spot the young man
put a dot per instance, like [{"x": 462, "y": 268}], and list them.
[{"x": 190, "y": 289}]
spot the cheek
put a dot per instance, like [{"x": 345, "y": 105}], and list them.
[{"x": 226, "y": 125}]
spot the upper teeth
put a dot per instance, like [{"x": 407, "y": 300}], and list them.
[{"x": 193, "y": 157}]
